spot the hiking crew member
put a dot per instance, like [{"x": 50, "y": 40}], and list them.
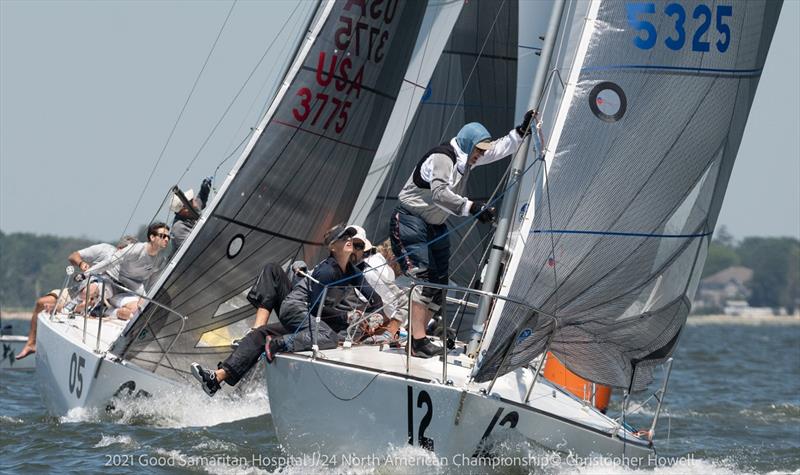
[
  {"x": 83, "y": 259},
  {"x": 293, "y": 310},
  {"x": 134, "y": 267},
  {"x": 266, "y": 295},
  {"x": 185, "y": 219},
  {"x": 432, "y": 193}
]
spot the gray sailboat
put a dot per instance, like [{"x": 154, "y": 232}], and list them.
[{"x": 596, "y": 256}]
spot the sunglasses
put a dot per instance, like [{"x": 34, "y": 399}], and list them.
[
  {"x": 359, "y": 246},
  {"x": 163, "y": 236}
]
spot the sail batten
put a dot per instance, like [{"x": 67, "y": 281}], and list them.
[{"x": 642, "y": 148}]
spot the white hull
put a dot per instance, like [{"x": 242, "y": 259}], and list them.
[
  {"x": 13, "y": 344},
  {"x": 72, "y": 375},
  {"x": 343, "y": 404}
]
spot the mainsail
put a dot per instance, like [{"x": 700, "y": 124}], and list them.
[
  {"x": 474, "y": 80},
  {"x": 637, "y": 165},
  {"x": 299, "y": 175}
]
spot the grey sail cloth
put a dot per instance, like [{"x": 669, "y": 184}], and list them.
[
  {"x": 634, "y": 188},
  {"x": 489, "y": 98},
  {"x": 300, "y": 177}
]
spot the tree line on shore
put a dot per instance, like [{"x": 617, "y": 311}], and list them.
[
  {"x": 775, "y": 263},
  {"x": 31, "y": 265}
]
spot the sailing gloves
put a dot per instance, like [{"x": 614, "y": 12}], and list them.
[
  {"x": 525, "y": 127},
  {"x": 485, "y": 214}
]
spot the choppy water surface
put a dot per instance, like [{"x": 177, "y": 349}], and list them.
[{"x": 733, "y": 406}]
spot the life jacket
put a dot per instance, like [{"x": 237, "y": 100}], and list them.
[{"x": 445, "y": 149}]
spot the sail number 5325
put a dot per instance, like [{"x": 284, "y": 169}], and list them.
[{"x": 640, "y": 14}]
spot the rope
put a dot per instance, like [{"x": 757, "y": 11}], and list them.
[
  {"x": 343, "y": 398},
  {"x": 444, "y": 235},
  {"x": 178, "y": 119},
  {"x": 395, "y": 170},
  {"x": 236, "y": 96}
]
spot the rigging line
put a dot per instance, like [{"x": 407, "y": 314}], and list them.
[
  {"x": 394, "y": 170},
  {"x": 282, "y": 54},
  {"x": 266, "y": 172},
  {"x": 552, "y": 237},
  {"x": 288, "y": 182},
  {"x": 470, "y": 253},
  {"x": 428, "y": 243},
  {"x": 474, "y": 66},
  {"x": 238, "y": 93},
  {"x": 233, "y": 153},
  {"x": 178, "y": 119}
]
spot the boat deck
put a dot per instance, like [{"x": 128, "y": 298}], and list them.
[{"x": 73, "y": 329}]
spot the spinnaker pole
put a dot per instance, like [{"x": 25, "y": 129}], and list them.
[{"x": 508, "y": 208}]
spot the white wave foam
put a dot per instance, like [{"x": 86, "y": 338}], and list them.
[
  {"x": 80, "y": 414},
  {"x": 10, "y": 420},
  {"x": 107, "y": 440},
  {"x": 188, "y": 406}
]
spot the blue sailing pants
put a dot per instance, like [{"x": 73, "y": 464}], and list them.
[{"x": 423, "y": 251}]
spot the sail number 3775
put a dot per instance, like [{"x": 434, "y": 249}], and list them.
[
  {"x": 641, "y": 16},
  {"x": 360, "y": 37}
]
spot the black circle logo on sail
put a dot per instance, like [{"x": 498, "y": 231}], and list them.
[
  {"x": 607, "y": 101},
  {"x": 235, "y": 246}
]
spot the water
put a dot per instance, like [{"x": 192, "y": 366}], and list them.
[{"x": 733, "y": 407}]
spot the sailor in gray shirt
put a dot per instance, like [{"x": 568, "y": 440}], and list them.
[
  {"x": 134, "y": 267},
  {"x": 432, "y": 193}
]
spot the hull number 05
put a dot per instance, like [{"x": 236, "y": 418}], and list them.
[{"x": 76, "y": 365}]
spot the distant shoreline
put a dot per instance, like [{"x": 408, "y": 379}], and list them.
[{"x": 743, "y": 320}]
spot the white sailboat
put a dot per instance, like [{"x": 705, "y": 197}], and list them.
[
  {"x": 600, "y": 265},
  {"x": 292, "y": 182}
]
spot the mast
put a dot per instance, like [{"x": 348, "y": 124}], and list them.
[{"x": 507, "y": 210}]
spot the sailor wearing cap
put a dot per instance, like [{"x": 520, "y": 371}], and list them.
[
  {"x": 433, "y": 192},
  {"x": 185, "y": 219},
  {"x": 341, "y": 278},
  {"x": 336, "y": 273}
]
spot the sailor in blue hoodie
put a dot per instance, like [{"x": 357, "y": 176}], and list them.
[{"x": 433, "y": 192}]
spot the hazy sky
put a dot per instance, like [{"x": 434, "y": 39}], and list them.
[{"x": 89, "y": 92}]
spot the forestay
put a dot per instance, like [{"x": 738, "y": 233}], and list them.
[
  {"x": 638, "y": 162},
  {"x": 474, "y": 80},
  {"x": 300, "y": 175}
]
